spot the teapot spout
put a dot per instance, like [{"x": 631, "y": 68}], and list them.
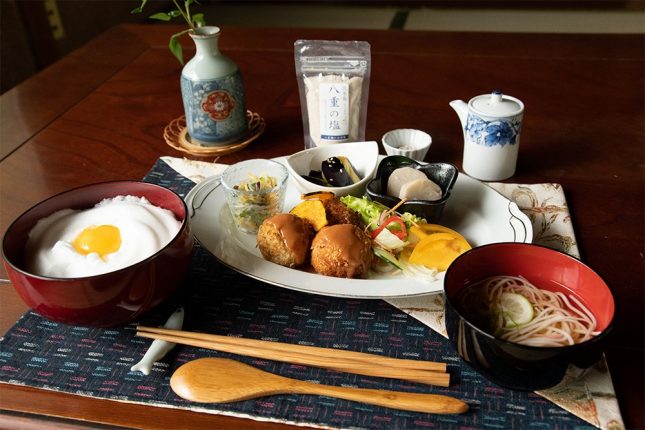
[{"x": 461, "y": 108}]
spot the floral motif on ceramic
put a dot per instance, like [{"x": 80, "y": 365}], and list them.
[
  {"x": 215, "y": 109},
  {"x": 219, "y": 105},
  {"x": 493, "y": 132}
]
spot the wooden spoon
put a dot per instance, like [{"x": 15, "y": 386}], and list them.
[{"x": 220, "y": 380}]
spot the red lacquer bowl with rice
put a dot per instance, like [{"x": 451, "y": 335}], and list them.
[
  {"x": 525, "y": 316},
  {"x": 115, "y": 296}
]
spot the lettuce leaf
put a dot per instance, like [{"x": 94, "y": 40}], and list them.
[{"x": 370, "y": 211}]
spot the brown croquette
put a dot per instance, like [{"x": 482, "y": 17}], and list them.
[
  {"x": 338, "y": 213},
  {"x": 285, "y": 239},
  {"x": 342, "y": 250}
]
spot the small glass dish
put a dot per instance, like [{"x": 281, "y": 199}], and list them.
[
  {"x": 443, "y": 174},
  {"x": 255, "y": 191}
]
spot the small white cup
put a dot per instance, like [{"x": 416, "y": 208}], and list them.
[{"x": 409, "y": 142}]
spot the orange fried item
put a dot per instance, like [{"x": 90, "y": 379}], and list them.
[{"x": 313, "y": 211}]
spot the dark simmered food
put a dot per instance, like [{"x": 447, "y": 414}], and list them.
[
  {"x": 284, "y": 239},
  {"x": 339, "y": 172},
  {"x": 343, "y": 251},
  {"x": 338, "y": 213},
  {"x": 334, "y": 172}
]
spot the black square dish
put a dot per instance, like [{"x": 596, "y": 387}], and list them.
[{"x": 443, "y": 174}]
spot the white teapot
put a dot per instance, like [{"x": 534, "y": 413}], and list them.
[{"x": 492, "y": 124}]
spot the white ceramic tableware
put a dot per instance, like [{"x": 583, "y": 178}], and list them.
[
  {"x": 159, "y": 348},
  {"x": 478, "y": 212},
  {"x": 213, "y": 92},
  {"x": 492, "y": 124},
  {"x": 362, "y": 155},
  {"x": 408, "y": 142}
]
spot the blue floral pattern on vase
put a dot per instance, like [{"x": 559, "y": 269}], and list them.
[{"x": 495, "y": 132}]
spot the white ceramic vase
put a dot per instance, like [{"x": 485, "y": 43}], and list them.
[{"x": 212, "y": 92}]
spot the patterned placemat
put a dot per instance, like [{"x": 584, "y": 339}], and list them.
[{"x": 96, "y": 362}]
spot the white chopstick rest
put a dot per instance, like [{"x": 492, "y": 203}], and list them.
[{"x": 159, "y": 348}]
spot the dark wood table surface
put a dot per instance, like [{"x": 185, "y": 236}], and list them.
[{"x": 98, "y": 114}]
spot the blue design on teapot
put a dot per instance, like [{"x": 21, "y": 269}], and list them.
[{"x": 490, "y": 133}]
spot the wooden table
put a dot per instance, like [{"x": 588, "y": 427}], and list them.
[{"x": 99, "y": 115}]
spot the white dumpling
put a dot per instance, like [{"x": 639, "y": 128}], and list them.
[
  {"x": 420, "y": 189},
  {"x": 399, "y": 177}
]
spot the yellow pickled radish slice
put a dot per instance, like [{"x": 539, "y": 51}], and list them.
[
  {"x": 423, "y": 230},
  {"x": 439, "y": 250}
]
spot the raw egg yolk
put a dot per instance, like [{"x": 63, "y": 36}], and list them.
[{"x": 102, "y": 239}]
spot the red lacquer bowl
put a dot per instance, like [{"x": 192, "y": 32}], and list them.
[
  {"x": 108, "y": 299},
  {"x": 514, "y": 365}
]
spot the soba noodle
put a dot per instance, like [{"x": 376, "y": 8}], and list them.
[{"x": 558, "y": 320}]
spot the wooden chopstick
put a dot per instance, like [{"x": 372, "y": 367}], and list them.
[
  {"x": 351, "y": 362},
  {"x": 350, "y": 366},
  {"x": 312, "y": 350}
]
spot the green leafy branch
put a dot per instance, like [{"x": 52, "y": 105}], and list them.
[{"x": 194, "y": 21}]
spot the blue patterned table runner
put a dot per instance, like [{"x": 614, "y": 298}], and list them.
[{"x": 96, "y": 362}]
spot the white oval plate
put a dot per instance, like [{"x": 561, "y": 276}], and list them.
[{"x": 478, "y": 212}]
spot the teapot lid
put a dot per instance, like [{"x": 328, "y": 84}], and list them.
[{"x": 497, "y": 104}]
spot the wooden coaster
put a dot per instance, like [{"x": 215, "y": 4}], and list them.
[{"x": 177, "y": 137}]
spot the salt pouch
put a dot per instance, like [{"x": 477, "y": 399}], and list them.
[{"x": 333, "y": 81}]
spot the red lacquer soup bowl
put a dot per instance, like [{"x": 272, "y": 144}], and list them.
[
  {"x": 515, "y": 365},
  {"x": 108, "y": 299}
]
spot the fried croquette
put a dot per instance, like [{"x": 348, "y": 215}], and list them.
[
  {"x": 338, "y": 213},
  {"x": 285, "y": 239},
  {"x": 342, "y": 250}
]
